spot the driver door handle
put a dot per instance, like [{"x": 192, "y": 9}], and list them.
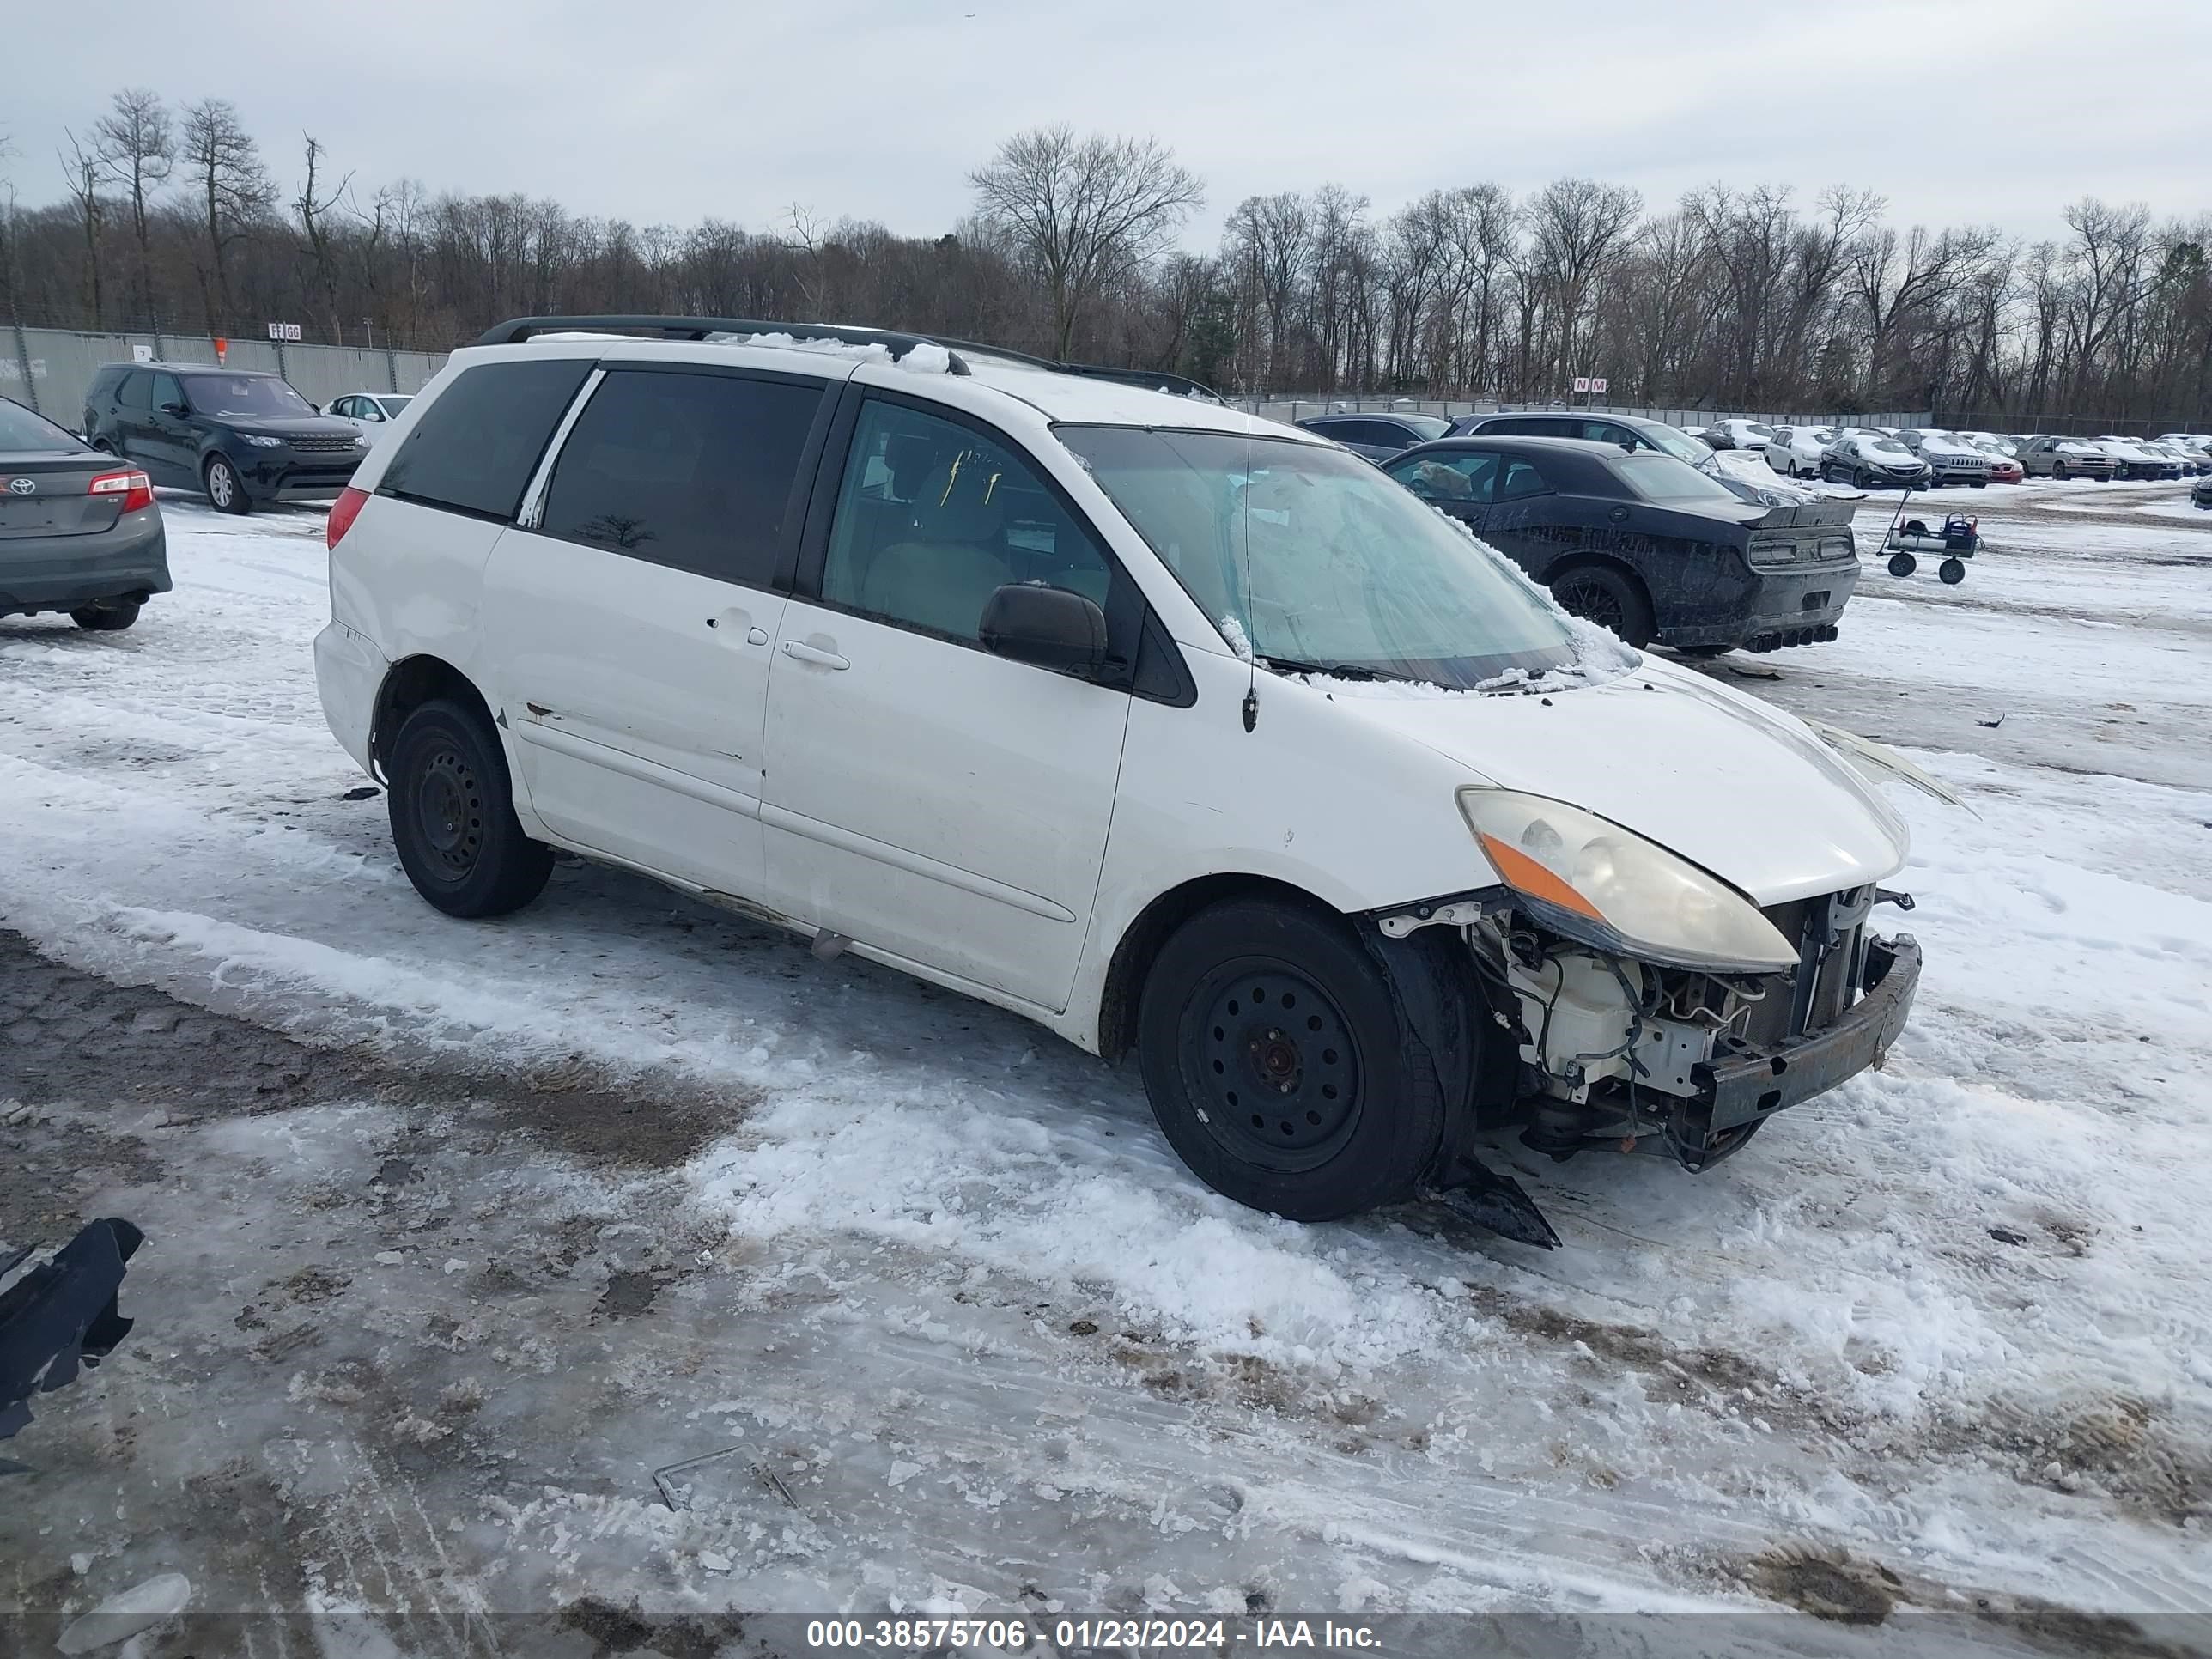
[{"x": 798, "y": 651}]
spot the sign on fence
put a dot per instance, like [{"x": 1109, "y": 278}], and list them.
[
  {"x": 284, "y": 330},
  {"x": 141, "y": 352},
  {"x": 1597, "y": 383},
  {"x": 1581, "y": 383}
]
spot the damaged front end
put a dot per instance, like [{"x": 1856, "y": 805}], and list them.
[
  {"x": 1630, "y": 1056},
  {"x": 1623, "y": 999}
]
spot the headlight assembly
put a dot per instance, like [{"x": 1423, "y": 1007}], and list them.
[
  {"x": 1605, "y": 886},
  {"x": 264, "y": 443}
]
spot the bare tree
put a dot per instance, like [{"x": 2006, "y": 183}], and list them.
[
  {"x": 1084, "y": 210},
  {"x": 142, "y": 151},
  {"x": 223, "y": 167},
  {"x": 313, "y": 210},
  {"x": 1580, "y": 229},
  {"x": 87, "y": 171}
]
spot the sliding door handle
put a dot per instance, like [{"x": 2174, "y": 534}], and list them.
[{"x": 799, "y": 651}]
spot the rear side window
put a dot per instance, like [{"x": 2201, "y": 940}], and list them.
[
  {"x": 132, "y": 394},
  {"x": 691, "y": 471},
  {"x": 475, "y": 449}
]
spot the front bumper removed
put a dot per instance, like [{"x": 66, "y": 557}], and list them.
[{"x": 1754, "y": 1083}]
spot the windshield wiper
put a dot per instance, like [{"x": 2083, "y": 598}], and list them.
[{"x": 1342, "y": 670}]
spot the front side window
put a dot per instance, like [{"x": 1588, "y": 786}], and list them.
[
  {"x": 933, "y": 518},
  {"x": 689, "y": 470},
  {"x": 1321, "y": 560},
  {"x": 1468, "y": 476},
  {"x": 1668, "y": 441},
  {"x": 227, "y": 396}
]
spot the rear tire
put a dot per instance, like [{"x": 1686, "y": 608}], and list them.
[
  {"x": 226, "y": 490},
  {"x": 1607, "y": 597},
  {"x": 105, "y": 618},
  {"x": 1273, "y": 1055},
  {"x": 452, "y": 805}
]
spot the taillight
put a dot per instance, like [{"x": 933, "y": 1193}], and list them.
[
  {"x": 134, "y": 486},
  {"x": 343, "y": 512}
]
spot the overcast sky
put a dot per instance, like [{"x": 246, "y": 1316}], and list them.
[{"x": 1957, "y": 112}]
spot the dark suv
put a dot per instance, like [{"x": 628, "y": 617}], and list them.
[{"x": 241, "y": 436}]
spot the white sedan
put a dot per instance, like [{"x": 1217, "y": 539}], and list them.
[
  {"x": 1797, "y": 452},
  {"x": 1740, "y": 434},
  {"x": 374, "y": 412}
]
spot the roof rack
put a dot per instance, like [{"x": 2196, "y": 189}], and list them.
[{"x": 519, "y": 329}]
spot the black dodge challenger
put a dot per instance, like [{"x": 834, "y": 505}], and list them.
[{"x": 1653, "y": 548}]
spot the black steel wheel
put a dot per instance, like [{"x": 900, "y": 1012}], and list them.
[
  {"x": 453, "y": 817},
  {"x": 1903, "y": 564},
  {"x": 1275, "y": 1059},
  {"x": 226, "y": 490},
  {"x": 1610, "y": 598},
  {"x": 1952, "y": 572}
]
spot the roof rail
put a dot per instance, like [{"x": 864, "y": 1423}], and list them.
[{"x": 519, "y": 329}]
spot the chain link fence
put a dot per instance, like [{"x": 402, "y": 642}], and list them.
[{"x": 1282, "y": 406}]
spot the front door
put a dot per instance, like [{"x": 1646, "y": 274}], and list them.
[
  {"x": 170, "y": 447},
  {"x": 924, "y": 797},
  {"x": 629, "y": 625}
]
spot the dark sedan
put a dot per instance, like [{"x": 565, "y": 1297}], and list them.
[
  {"x": 1869, "y": 461},
  {"x": 1378, "y": 437},
  {"x": 242, "y": 436},
  {"x": 78, "y": 531},
  {"x": 1639, "y": 541}
]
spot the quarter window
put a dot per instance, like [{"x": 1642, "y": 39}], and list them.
[
  {"x": 933, "y": 518},
  {"x": 691, "y": 471},
  {"x": 136, "y": 391},
  {"x": 1521, "y": 481},
  {"x": 475, "y": 449}
]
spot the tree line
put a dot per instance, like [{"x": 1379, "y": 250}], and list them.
[{"x": 173, "y": 218}]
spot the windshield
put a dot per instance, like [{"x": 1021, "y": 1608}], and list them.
[
  {"x": 22, "y": 431},
  {"x": 1668, "y": 441},
  {"x": 244, "y": 394},
  {"x": 1888, "y": 448},
  {"x": 1319, "y": 562},
  {"x": 1662, "y": 478},
  {"x": 1756, "y": 430},
  {"x": 1427, "y": 425}
]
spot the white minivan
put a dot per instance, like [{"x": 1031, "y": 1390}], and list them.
[{"x": 1170, "y": 729}]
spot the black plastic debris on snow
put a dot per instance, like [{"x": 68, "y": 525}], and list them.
[{"x": 62, "y": 1315}]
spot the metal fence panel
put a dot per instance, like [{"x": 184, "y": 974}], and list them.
[
  {"x": 51, "y": 369},
  {"x": 1288, "y": 408}
]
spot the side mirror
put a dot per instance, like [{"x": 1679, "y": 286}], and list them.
[
  {"x": 177, "y": 410},
  {"x": 1049, "y": 627}
]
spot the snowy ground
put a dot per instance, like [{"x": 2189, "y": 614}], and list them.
[{"x": 547, "y": 1203}]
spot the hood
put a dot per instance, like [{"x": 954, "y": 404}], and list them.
[
  {"x": 316, "y": 425},
  {"x": 1730, "y": 783}
]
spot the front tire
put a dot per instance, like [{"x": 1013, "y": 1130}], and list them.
[
  {"x": 105, "y": 618},
  {"x": 452, "y": 805},
  {"x": 1274, "y": 1057},
  {"x": 226, "y": 490},
  {"x": 1609, "y": 598}
]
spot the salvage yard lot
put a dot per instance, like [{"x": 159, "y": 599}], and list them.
[{"x": 457, "y": 1232}]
